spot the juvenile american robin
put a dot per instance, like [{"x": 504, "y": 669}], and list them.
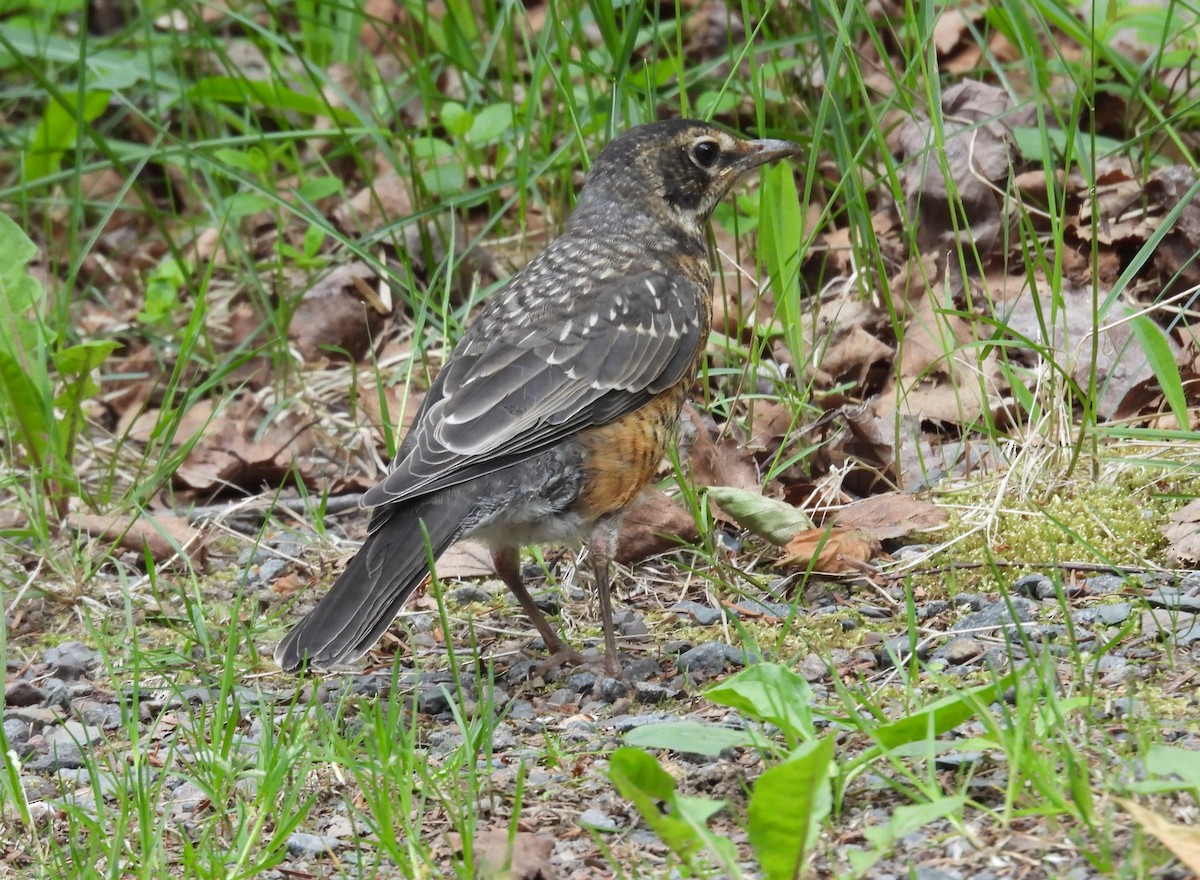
[{"x": 556, "y": 407}]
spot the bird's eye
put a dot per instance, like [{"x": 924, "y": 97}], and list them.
[{"x": 706, "y": 153}]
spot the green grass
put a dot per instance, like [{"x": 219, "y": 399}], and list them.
[{"x": 186, "y": 164}]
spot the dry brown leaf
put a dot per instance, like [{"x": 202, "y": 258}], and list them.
[
  {"x": 157, "y": 533},
  {"x": 722, "y": 463},
  {"x": 501, "y": 855},
  {"x": 977, "y": 156},
  {"x": 1182, "y": 840},
  {"x": 465, "y": 560},
  {"x": 891, "y": 515},
  {"x": 831, "y": 551},
  {"x": 654, "y": 524},
  {"x": 1183, "y": 534},
  {"x": 341, "y": 312}
]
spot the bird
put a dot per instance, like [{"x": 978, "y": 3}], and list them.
[{"x": 557, "y": 404}]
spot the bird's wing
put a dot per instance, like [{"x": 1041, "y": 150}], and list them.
[{"x": 513, "y": 388}]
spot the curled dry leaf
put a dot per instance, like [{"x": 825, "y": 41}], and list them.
[
  {"x": 655, "y": 524},
  {"x": 342, "y": 311},
  {"x": 831, "y": 551},
  {"x": 1182, "y": 840},
  {"x": 977, "y": 156},
  {"x": 501, "y": 855},
  {"x": 891, "y": 515},
  {"x": 772, "y": 520},
  {"x": 162, "y": 535},
  {"x": 1183, "y": 534}
]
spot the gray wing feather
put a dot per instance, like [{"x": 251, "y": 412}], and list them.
[{"x": 504, "y": 396}]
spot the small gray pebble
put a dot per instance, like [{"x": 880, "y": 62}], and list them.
[
  {"x": 611, "y": 689},
  {"x": 467, "y": 595},
  {"x": 1035, "y": 586},
  {"x": 631, "y": 624},
  {"x": 1104, "y": 584},
  {"x": 707, "y": 659},
  {"x": 1175, "y": 598},
  {"x": 16, "y": 731},
  {"x": 997, "y": 614},
  {"x": 72, "y": 657},
  {"x": 1105, "y": 615},
  {"x": 581, "y": 682},
  {"x": 643, "y": 669},
  {"x": 311, "y": 846},
  {"x": 562, "y": 697},
  {"x": 106, "y": 716},
  {"x": 961, "y": 650},
  {"x": 702, "y": 614},
  {"x": 932, "y": 609},
  {"x": 626, "y": 723},
  {"x": 433, "y": 700},
  {"x": 897, "y": 651},
  {"x": 652, "y": 692},
  {"x": 55, "y": 693},
  {"x": 598, "y": 821},
  {"x": 972, "y": 600},
  {"x": 23, "y": 693},
  {"x": 874, "y": 612}
]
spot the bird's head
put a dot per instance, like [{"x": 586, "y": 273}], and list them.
[{"x": 671, "y": 173}]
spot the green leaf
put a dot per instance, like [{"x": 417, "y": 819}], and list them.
[
  {"x": 271, "y": 94},
  {"x": 786, "y": 809},
  {"x": 904, "y": 820},
  {"x": 81, "y": 359},
  {"x": 490, "y": 124},
  {"x": 1157, "y": 349},
  {"x": 57, "y": 130},
  {"x": 320, "y": 188},
  {"x": 780, "y": 236},
  {"x": 1169, "y": 769},
  {"x": 936, "y": 718},
  {"x": 769, "y": 692},
  {"x": 769, "y": 518},
  {"x": 692, "y": 737},
  {"x": 640, "y": 780},
  {"x": 456, "y": 118},
  {"x": 25, "y": 389},
  {"x": 27, "y": 405}
]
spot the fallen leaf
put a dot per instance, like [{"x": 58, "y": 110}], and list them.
[
  {"x": 891, "y": 515},
  {"x": 1182, "y": 840},
  {"x": 504, "y": 855},
  {"x": 769, "y": 518},
  {"x": 654, "y": 524},
  {"x": 831, "y": 551},
  {"x": 162, "y": 535},
  {"x": 1183, "y": 534}
]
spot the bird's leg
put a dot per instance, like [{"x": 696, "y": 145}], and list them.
[
  {"x": 508, "y": 566},
  {"x": 602, "y": 546}
]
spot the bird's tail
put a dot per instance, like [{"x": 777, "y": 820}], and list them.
[{"x": 368, "y": 595}]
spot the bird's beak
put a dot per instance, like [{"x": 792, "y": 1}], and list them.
[{"x": 763, "y": 151}]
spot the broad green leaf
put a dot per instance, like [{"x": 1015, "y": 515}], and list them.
[
  {"x": 905, "y": 820},
  {"x": 490, "y": 124},
  {"x": 786, "y": 809},
  {"x": 769, "y": 518},
  {"x": 941, "y": 716},
  {"x": 27, "y": 405},
  {"x": 769, "y": 692},
  {"x": 692, "y": 737},
  {"x": 57, "y": 130},
  {"x": 81, "y": 359},
  {"x": 275, "y": 95},
  {"x": 640, "y": 780},
  {"x": 456, "y": 118},
  {"x": 319, "y": 188},
  {"x": 1158, "y": 353}
]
